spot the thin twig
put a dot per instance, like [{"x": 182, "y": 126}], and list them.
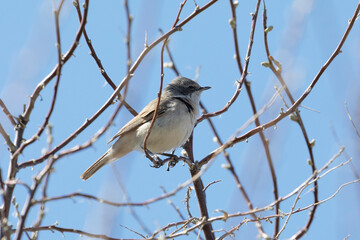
[
  {"x": 129, "y": 18},
  {"x": 308, "y": 182},
  {"x": 46, "y": 170},
  {"x": 187, "y": 201},
  {"x": 196, "y": 173},
  {"x": 6, "y": 136},
  {"x": 213, "y": 182},
  {"x": 161, "y": 83},
  {"x": 346, "y": 155},
  {"x": 277, "y": 72},
  {"x": 25, "y": 117},
  {"x": 133, "y": 231},
  {"x": 7, "y": 113},
  {"x": 218, "y": 140},
  {"x": 200, "y": 223},
  {"x": 115, "y": 93},
  {"x": 350, "y": 118},
  {"x": 259, "y": 113},
  {"x": 264, "y": 140},
  {"x": 90, "y": 142},
  {"x": 293, "y": 107},
  {"x": 231, "y": 231},
  {"x": 41, "y": 212},
  {"x": 178, "y": 210},
  {"x": 172, "y": 62},
  {"x": 144, "y": 203},
  {"x": 157, "y": 105},
  {"x": 127, "y": 200},
  {"x": 72, "y": 230},
  {"x": 99, "y": 63},
  {"x": 326, "y": 199}
]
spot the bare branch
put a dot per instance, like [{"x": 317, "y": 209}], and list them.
[
  {"x": 293, "y": 108},
  {"x": 71, "y": 230},
  {"x": 161, "y": 85},
  {"x": 196, "y": 173},
  {"x": 350, "y": 118},
  {"x": 122, "y": 84},
  {"x": 213, "y": 182},
  {"x": 99, "y": 63},
  {"x": 129, "y": 18},
  {"x": 7, "y": 139},
  {"x": 26, "y": 116},
  {"x": 296, "y": 114},
  {"x": 187, "y": 199},
  {"x": 7, "y": 113},
  {"x": 127, "y": 199},
  {"x": 243, "y": 72}
]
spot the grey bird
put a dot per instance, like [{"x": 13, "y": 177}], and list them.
[{"x": 176, "y": 118}]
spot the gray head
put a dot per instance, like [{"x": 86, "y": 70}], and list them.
[{"x": 184, "y": 87}]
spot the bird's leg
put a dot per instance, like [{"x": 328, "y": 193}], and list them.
[
  {"x": 170, "y": 155},
  {"x": 173, "y": 160},
  {"x": 157, "y": 162}
]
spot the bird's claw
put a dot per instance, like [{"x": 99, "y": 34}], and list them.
[
  {"x": 172, "y": 162},
  {"x": 157, "y": 162}
]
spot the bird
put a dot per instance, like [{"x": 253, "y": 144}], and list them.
[{"x": 176, "y": 118}]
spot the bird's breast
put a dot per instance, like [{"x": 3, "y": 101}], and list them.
[{"x": 170, "y": 130}]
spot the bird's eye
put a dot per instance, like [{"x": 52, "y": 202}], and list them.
[{"x": 192, "y": 87}]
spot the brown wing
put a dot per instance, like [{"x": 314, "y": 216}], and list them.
[{"x": 144, "y": 116}]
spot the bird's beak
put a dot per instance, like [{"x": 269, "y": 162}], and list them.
[{"x": 204, "y": 88}]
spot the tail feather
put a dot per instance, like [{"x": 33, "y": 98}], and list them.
[
  {"x": 105, "y": 159},
  {"x": 121, "y": 147}
]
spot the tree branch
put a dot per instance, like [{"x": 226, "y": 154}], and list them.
[{"x": 117, "y": 90}]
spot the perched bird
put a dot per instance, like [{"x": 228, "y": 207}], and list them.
[{"x": 176, "y": 118}]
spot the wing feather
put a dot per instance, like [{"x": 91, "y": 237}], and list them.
[{"x": 144, "y": 116}]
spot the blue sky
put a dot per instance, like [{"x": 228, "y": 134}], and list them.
[{"x": 304, "y": 36}]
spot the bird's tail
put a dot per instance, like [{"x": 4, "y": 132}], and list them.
[
  {"x": 121, "y": 147},
  {"x": 103, "y": 160}
]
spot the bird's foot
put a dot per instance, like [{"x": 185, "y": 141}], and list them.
[{"x": 156, "y": 161}]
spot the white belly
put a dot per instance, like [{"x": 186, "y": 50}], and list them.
[{"x": 169, "y": 131}]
